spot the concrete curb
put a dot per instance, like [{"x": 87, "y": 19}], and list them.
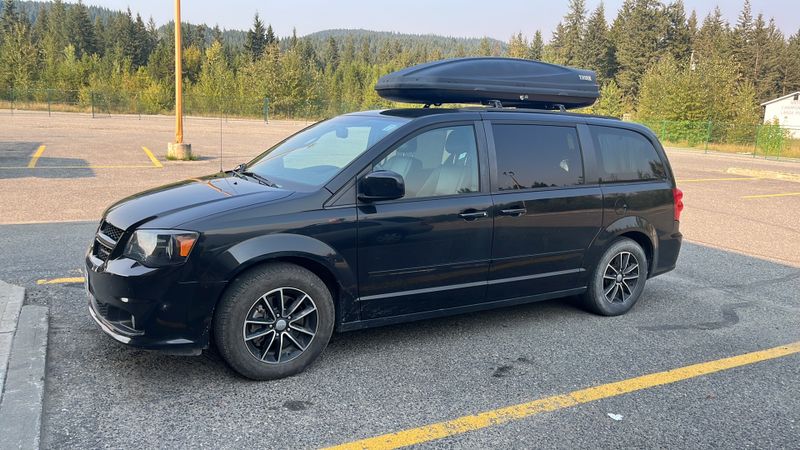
[
  {"x": 21, "y": 405},
  {"x": 11, "y": 298}
]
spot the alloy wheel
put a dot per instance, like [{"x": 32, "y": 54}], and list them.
[
  {"x": 280, "y": 325},
  {"x": 621, "y": 277}
]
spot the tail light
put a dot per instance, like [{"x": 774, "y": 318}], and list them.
[{"x": 677, "y": 196}]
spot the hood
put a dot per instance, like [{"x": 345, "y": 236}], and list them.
[{"x": 207, "y": 195}]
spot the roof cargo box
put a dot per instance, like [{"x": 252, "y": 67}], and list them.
[{"x": 513, "y": 82}]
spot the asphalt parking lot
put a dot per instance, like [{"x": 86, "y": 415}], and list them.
[{"x": 736, "y": 291}]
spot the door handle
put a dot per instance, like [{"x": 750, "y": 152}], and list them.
[
  {"x": 514, "y": 212},
  {"x": 472, "y": 215}
]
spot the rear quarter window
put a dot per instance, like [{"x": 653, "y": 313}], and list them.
[{"x": 625, "y": 155}]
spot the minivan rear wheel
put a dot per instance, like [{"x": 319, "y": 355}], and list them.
[
  {"x": 618, "y": 279},
  {"x": 274, "y": 321}
]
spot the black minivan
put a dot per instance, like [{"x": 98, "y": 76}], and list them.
[{"x": 381, "y": 217}]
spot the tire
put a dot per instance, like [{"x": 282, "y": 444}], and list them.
[
  {"x": 608, "y": 296},
  {"x": 263, "y": 344}
]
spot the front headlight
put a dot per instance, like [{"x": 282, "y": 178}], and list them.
[{"x": 159, "y": 248}]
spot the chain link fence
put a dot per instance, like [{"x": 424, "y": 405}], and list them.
[
  {"x": 758, "y": 139},
  {"x": 108, "y": 103},
  {"x": 232, "y": 105},
  {"x": 768, "y": 140}
]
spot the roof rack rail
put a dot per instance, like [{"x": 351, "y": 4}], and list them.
[{"x": 535, "y": 110}]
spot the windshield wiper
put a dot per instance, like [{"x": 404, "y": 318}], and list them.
[
  {"x": 263, "y": 180},
  {"x": 242, "y": 172}
]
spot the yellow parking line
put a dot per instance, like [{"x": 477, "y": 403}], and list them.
[
  {"x": 61, "y": 280},
  {"x": 36, "y": 157},
  {"x": 150, "y": 155},
  {"x": 700, "y": 180},
  {"x": 785, "y": 194},
  {"x": 503, "y": 415}
]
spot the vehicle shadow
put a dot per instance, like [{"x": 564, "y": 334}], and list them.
[{"x": 15, "y": 158}]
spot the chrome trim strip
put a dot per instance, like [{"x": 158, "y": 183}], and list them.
[
  {"x": 468, "y": 285},
  {"x": 535, "y": 276},
  {"x": 106, "y": 240},
  {"x": 107, "y": 329},
  {"x": 421, "y": 291}
]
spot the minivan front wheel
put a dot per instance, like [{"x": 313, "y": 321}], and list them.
[
  {"x": 274, "y": 321},
  {"x": 618, "y": 279}
]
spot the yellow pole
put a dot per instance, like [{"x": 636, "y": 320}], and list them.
[{"x": 178, "y": 76}]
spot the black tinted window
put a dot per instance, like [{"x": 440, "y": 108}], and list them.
[
  {"x": 626, "y": 155},
  {"x": 536, "y": 156}
]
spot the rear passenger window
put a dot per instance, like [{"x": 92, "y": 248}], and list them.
[
  {"x": 626, "y": 155},
  {"x": 536, "y": 156}
]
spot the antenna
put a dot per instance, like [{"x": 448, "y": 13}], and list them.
[{"x": 221, "y": 168}]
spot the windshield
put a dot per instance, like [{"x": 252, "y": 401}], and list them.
[{"x": 312, "y": 157}]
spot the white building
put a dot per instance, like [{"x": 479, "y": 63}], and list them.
[{"x": 787, "y": 110}]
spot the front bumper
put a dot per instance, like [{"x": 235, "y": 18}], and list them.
[{"x": 154, "y": 309}]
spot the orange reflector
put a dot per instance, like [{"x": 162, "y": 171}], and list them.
[{"x": 185, "y": 244}]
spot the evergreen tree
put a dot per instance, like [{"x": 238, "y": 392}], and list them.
[
  {"x": 637, "y": 34},
  {"x": 554, "y": 50},
  {"x": 537, "y": 46},
  {"x": 269, "y": 36},
  {"x": 597, "y": 52},
  {"x": 9, "y": 18},
  {"x": 791, "y": 65},
  {"x": 574, "y": 21},
  {"x": 678, "y": 37},
  {"x": 767, "y": 48},
  {"x": 332, "y": 54},
  {"x": 141, "y": 42},
  {"x": 611, "y": 102},
  {"x": 486, "y": 47},
  {"x": 215, "y": 83},
  {"x": 256, "y": 40},
  {"x": 567, "y": 43},
  {"x": 741, "y": 40},
  {"x": 17, "y": 57},
  {"x": 81, "y": 29},
  {"x": 39, "y": 29},
  {"x": 712, "y": 38},
  {"x": 216, "y": 35},
  {"x": 517, "y": 46}
]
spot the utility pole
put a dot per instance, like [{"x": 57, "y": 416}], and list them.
[{"x": 179, "y": 149}]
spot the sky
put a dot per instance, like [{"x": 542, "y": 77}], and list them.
[{"x": 463, "y": 18}]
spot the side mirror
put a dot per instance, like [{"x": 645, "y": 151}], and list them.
[{"x": 381, "y": 185}]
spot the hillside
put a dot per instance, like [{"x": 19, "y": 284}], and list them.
[{"x": 448, "y": 45}]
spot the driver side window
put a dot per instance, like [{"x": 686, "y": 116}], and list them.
[{"x": 439, "y": 162}]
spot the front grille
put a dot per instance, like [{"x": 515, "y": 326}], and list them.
[
  {"x": 119, "y": 319},
  {"x": 101, "y": 251},
  {"x": 102, "y": 247},
  {"x": 102, "y": 308},
  {"x": 111, "y": 231}
]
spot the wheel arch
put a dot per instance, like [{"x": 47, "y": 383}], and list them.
[
  {"x": 304, "y": 251},
  {"x": 636, "y": 228}
]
